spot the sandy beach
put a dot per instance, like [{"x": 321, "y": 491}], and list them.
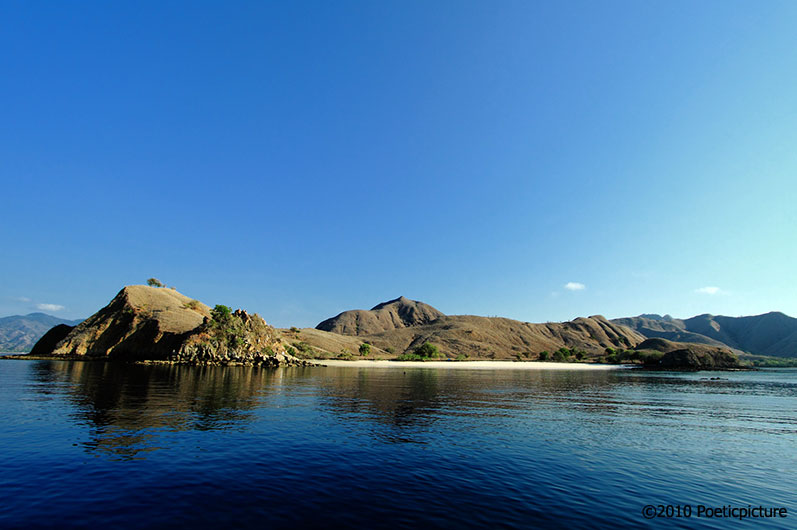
[{"x": 472, "y": 365}]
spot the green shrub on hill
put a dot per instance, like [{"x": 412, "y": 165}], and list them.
[
  {"x": 410, "y": 357},
  {"x": 564, "y": 355},
  {"x": 194, "y": 305},
  {"x": 619, "y": 356},
  {"x": 224, "y": 329},
  {"x": 221, "y": 314},
  {"x": 424, "y": 352},
  {"x": 427, "y": 350},
  {"x": 303, "y": 350}
]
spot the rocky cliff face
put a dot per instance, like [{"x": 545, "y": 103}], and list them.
[
  {"x": 238, "y": 339},
  {"x": 145, "y": 323}
]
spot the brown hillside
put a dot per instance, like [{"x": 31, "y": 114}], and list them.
[
  {"x": 399, "y": 313},
  {"x": 469, "y": 336},
  {"x": 140, "y": 318}
]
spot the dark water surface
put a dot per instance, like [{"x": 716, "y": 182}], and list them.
[{"x": 128, "y": 446}]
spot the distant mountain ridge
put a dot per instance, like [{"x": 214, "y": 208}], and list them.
[
  {"x": 773, "y": 334},
  {"x": 18, "y": 333}
]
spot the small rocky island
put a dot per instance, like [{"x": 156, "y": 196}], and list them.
[{"x": 158, "y": 324}]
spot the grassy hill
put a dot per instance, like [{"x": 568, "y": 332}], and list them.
[{"x": 400, "y": 326}]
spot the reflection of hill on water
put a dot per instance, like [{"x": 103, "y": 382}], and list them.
[
  {"x": 126, "y": 404},
  {"x": 127, "y": 407},
  {"x": 406, "y": 401}
]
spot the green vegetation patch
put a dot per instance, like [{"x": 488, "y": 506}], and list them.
[
  {"x": 618, "y": 356},
  {"x": 226, "y": 330},
  {"x": 425, "y": 352},
  {"x": 303, "y": 350},
  {"x": 563, "y": 355},
  {"x": 761, "y": 361}
]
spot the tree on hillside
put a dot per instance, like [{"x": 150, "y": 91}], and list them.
[
  {"x": 221, "y": 313},
  {"x": 365, "y": 349},
  {"x": 154, "y": 282},
  {"x": 427, "y": 350}
]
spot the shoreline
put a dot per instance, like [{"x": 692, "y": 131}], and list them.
[
  {"x": 361, "y": 363},
  {"x": 373, "y": 363},
  {"x": 471, "y": 365},
  {"x": 386, "y": 363}
]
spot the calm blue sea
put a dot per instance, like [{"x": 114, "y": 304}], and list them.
[{"x": 128, "y": 446}]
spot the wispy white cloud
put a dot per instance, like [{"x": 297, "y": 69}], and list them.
[
  {"x": 575, "y": 286},
  {"x": 710, "y": 290},
  {"x": 49, "y": 307},
  {"x": 23, "y": 299}
]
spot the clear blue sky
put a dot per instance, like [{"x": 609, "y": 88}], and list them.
[{"x": 298, "y": 159}]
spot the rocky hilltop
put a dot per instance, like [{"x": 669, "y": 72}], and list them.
[
  {"x": 773, "y": 334},
  {"x": 400, "y": 326},
  {"x": 399, "y": 313},
  {"x": 144, "y": 323}
]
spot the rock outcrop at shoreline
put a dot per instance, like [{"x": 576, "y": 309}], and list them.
[
  {"x": 239, "y": 338},
  {"x": 144, "y": 323},
  {"x": 690, "y": 356}
]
